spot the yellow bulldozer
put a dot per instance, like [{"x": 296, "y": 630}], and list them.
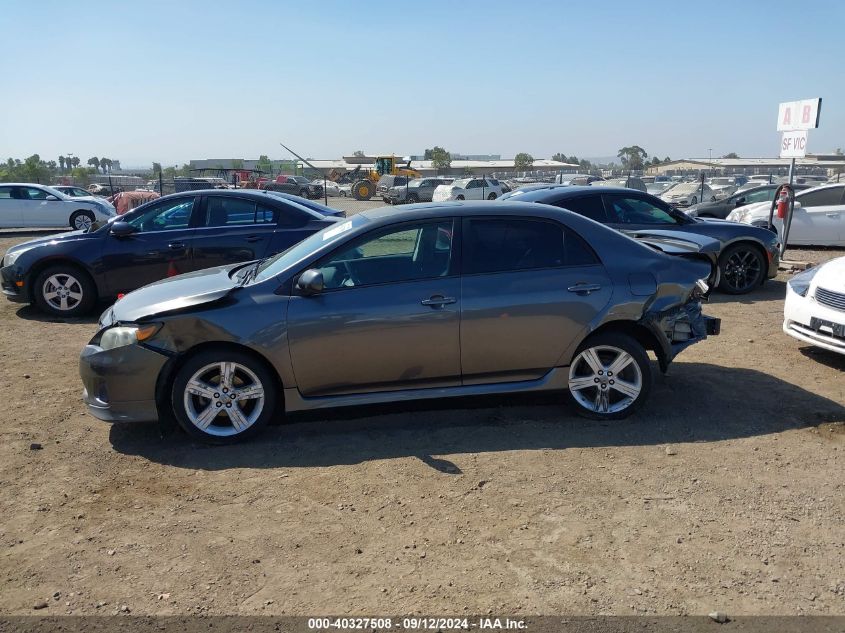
[{"x": 364, "y": 186}]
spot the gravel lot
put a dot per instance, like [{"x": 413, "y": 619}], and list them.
[{"x": 725, "y": 492}]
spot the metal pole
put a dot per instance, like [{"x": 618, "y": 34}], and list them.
[
  {"x": 325, "y": 190},
  {"x": 160, "y": 184},
  {"x": 791, "y": 170},
  {"x": 111, "y": 187}
]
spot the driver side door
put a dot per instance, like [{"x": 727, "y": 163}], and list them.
[
  {"x": 388, "y": 317},
  {"x": 160, "y": 247}
]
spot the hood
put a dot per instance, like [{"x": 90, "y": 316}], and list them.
[
  {"x": 51, "y": 239},
  {"x": 676, "y": 242},
  {"x": 831, "y": 276},
  {"x": 175, "y": 293}
]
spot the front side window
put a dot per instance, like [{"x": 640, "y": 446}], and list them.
[
  {"x": 636, "y": 211},
  {"x": 764, "y": 195},
  {"x": 512, "y": 244},
  {"x": 35, "y": 194},
  {"x": 165, "y": 216},
  {"x": 392, "y": 255}
]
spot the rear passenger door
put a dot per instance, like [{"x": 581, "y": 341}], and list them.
[
  {"x": 529, "y": 288},
  {"x": 230, "y": 230},
  {"x": 820, "y": 219}
]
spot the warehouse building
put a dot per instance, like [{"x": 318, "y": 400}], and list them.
[{"x": 818, "y": 164}]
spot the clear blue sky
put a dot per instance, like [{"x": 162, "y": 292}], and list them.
[{"x": 169, "y": 81}]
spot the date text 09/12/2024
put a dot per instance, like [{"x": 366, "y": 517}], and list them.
[{"x": 416, "y": 624}]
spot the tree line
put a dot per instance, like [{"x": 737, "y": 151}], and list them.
[{"x": 36, "y": 169}]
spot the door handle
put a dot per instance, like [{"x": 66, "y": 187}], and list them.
[
  {"x": 254, "y": 238},
  {"x": 438, "y": 301},
  {"x": 584, "y": 289},
  {"x": 832, "y": 215},
  {"x": 175, "y": 246}
]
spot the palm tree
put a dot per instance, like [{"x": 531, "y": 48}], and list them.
[
  {"x": 75, "y": 161},
  {"x": 105, "y": 164},
  {"x": 94, "y": 162},
  {"x": 62, "y": 163},
  {"x": 156, "y": 168}
]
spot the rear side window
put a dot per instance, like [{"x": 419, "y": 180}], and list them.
[
  {"x": 822, "y": 198},
  {"x": 588, "y": 206},
  {"x": 511, "y": 244},
  {"x": 5, "y": 192}
]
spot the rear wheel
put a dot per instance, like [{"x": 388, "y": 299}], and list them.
[
  {"x": 223, "y": 396},
  {"x": 81, "y": 220},
  {"x": 742, "y": 268},
  {"x": 610, "y": 376},
  {"x": 64, "y": 291},
  {"x": 412, "y": 198},
  {"x": 492, "y": 196},
  {"x": 694, "y": 200},
  {"x": 459, "y": 197}
]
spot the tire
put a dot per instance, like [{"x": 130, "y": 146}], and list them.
[
  {"x": 342, "y": 193},
  {"x": 713, "y": 199},
  {"x": 81, "y": 220},
  {"x": 206, "y": 411},
  {"x": 742, "y": 267},
  {"x": 694, "y": 201},
  {"x": 303, "y": 193},
  {"x": 412, "y": 198},
  {"x": 595, "y": 390},
  {"x": 64, "y": 285},
  {"x": 459, "y": 197},
  {"x": 363, "y": 190},
  {"x": 492, "y": 196}
]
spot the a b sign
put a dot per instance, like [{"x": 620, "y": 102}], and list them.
[
  {"x": 793, "y": 144},
  {"x": 799, "y": 115}
]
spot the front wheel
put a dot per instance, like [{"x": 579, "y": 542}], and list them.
[
  {"x": 64, "y": 291},
  {"x": 412, "y": 198},
  {"x": 460, "y": 197},
  {"x": 492, "y": 196},
  {"x": 610, "y": 377},
  {"x": 223, "y": 396},
  {"x": 81, "y": 220},
  {"x": 742, "y": 268},
  {"x": 693, "y": 201}
]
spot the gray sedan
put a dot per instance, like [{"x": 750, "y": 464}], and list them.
[{"x": 437, "y": 300}]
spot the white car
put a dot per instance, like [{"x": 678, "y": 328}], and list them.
[
  {"x": 723, "y": 186},
  {"x": 685, "y": 194},
  {"x": 332, "y": 189},
  {"x": 814, "y": 311},
  {"x": 818, "y": 218},
  {"x": 468, "y": 189},
  {"x": 29, "y": 205}
]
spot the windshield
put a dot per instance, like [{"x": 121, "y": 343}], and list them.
[
  {"x": 296, "y": 253},
  {"x": 722, "y": 181}
]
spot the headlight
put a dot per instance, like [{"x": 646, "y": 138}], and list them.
[
  {"x": 800, "y": 283},
  {"x": 11, "y": 258},
  {"x": 123, "y": 335}
]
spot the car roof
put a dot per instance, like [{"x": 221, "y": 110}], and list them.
[{"x": 465, "y": 208}]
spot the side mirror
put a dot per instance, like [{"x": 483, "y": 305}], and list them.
[
  {"x": 50, "y": 197},
  {"x": 121, "y": 229},
  {"x": 310, "y": 282},
  {"x": 796, "y": 205},
  {"x": 739, "y": 202}
]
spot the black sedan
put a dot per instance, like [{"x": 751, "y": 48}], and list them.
[
  {"x": 749, "y": 255},
  {"x": 721, "y": 208},
  {"x": 66, "y": 274}
]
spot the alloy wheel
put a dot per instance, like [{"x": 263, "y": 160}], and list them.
[
  {"x": 62, "y": 291},
  {"x": 742, "y": 270},
  {"x": 605, "y": 379},
  {"x": 82, "y": 222},
  {"x": 224, "y": 399}
]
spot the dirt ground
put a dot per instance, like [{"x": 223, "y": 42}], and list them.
[{"x": 725, "y": 492}]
